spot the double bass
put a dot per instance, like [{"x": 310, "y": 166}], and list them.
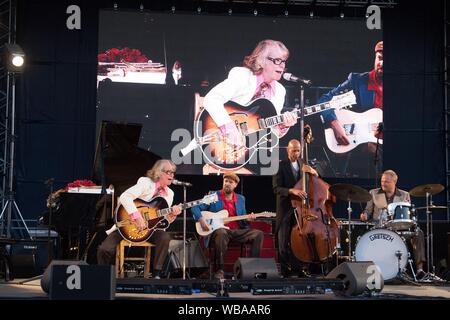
[{"x": 315, "y": 233}]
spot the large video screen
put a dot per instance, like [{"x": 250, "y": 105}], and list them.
[{"x": 212, "y": 94}]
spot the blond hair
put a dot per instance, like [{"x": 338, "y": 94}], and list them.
[
  {"x": 392, "y": 174},
  {"x": 155, "y": 172},
  {"x": 256, "y": 59}
]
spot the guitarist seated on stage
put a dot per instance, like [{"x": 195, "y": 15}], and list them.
[
  {"x": 155, "y": 184},
  {"x": 238, "y": 231}
]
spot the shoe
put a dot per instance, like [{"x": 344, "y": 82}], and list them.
[
  {"x": 304, "y": 274},
  {"x": 157, "y": 274},
  {"x": 219, "y": 274}
]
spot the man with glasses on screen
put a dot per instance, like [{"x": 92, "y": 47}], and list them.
[
  {"x": 258, "y": 78},
  {"x": 155, "y": 184},
  {"x": 368, "y": 89}
]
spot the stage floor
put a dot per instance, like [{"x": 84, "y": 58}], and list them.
[{"x": 32, "y": 290}]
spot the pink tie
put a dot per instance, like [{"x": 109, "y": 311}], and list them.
[{"x": 261, "y": 92}]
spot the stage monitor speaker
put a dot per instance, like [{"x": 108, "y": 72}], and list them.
[
  {"x": 75, "y": 280},
  {"x": 29, "y": 258},
  {"x": 363, "y": 277},
  {"x": 256, "y": 268},
  {"x": 47, "y": 276},
  {"x": 196, "y": 262}
]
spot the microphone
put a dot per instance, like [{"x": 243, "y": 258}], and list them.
[
  {"x": 181, "y": 183},
  {"x": 290, "y": 77}
]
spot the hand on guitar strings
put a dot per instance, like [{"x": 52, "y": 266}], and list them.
[
  {"x": 339, "y": 133},
  {"x": 139, "y": 222},
  {"x": 203, "y": 224},
  {"x": 232, "y": 135}
]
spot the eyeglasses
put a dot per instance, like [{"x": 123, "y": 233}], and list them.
[
  {"x": 277, "y": 61},
  {"x": 169, "y": 172}
]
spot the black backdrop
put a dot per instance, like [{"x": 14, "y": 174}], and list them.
[{"x": 56, "y": 99}]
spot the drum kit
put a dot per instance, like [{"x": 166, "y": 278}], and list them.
[{"x": 384, "y": 243}]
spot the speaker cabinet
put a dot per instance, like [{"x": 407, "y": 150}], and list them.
[
  {"x": 47, "y": 276},
  {"x": 75, "y": 280},
  {"x": 359, "y": 277},
  {"x": 196, "y": 262},
  {"x": 255, "y": 268}
]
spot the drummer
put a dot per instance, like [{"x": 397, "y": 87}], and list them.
[{"x": 381, "y": 198}]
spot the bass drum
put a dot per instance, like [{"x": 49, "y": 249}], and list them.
[{"x": 383, "y": 247}]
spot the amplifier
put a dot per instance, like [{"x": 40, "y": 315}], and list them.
[
  {"x": 30, "y": 257},
  {"x": 297, "y": 287},
  {"x": 154, "y": 286}
]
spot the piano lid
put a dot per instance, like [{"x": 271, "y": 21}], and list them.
[{"x": 123, "y": 161}]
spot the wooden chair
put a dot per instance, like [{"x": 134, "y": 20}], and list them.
[{"x": 121, "y": 258}]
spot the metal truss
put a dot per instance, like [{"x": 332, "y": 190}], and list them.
[
  {"x": 318, "y": 3},
  {"x": 446, "y": 99},
  {"x": 5, "y": 37}
]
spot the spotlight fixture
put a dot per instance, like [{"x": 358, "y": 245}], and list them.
[{"x": 14, "y": 57}]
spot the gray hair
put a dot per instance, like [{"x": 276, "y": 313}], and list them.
[{"x": 155, "y": 172}]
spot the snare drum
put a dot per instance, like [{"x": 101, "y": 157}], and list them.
[
  {"x": 400, "y": 216},
  {"x": 384, "y": 248}
]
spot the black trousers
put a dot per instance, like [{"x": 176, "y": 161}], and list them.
[
  {"x": 107, "y": 250},
  {"x": 222, "y": 237}
]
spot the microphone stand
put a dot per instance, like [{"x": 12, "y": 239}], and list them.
[
  {"x": 376, "y": 160},
  {"x": 184, "y": 232},
  {"x": 302, "y": 122},
  {"x": 50, "y": 213}
]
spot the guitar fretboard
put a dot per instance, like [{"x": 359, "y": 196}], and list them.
[
  {"x": 278, "y": 119},
  {"x": 187, "y": 205}
]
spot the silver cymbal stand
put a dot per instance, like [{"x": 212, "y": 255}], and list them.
[
  {"x": 349, "y": 232},
  {"x": 430, "y": 276}
]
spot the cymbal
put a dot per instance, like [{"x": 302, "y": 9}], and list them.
[
  {"x": 421, "y": 191},
  {"x": 431, "y": 208},
  {"x": 349, "y": 192}
]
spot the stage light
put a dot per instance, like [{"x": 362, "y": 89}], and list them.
[
  {"x": 255, "y": 12},
  {"x": 14, "y": 57},
  {"x": 342, "y": 15},
  {"x": 311, "y": 14}
]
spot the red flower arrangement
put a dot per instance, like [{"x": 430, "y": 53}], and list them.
[
  {"x": 120, "y": 55},
  {"x": 80, "y": 183}
]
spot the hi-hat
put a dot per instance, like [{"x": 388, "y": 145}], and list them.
[
  {"x": 431, "y": 189},
  {"x": 349, "y": 192}
]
